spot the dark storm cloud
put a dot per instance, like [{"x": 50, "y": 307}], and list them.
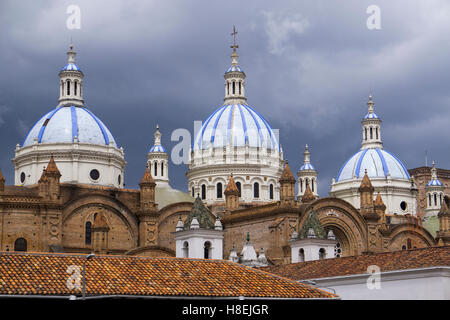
[{"x": 310, "y": 67}]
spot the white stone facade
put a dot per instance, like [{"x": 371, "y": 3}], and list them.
[{"x": 199, "y": 244}]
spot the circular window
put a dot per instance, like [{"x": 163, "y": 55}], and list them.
[
  {"x": 119, "y": 179},
  {"x": 94, "y": 174},
  {"x": 403, "y": 205},
  {"x": 22, "y": 177}
]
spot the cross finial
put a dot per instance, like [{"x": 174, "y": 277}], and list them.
[{"x": 234, "y": 33}]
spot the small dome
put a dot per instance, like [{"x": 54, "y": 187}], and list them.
[
  {"x": 434, "y": 182},
  {"x": 64, "y": 123},
  {"x": 371, "y": 116},
  {"x": 234, "y": 68},
  {"x": 157, "y": 148},
  {"x": 307, "y": 166},
  {"x": 236, "y": 124},
  {"x": 71, "y": 67},
  {"x": 378, "y": 162}
]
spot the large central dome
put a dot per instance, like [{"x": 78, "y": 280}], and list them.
[
  {"x": 236, "y": 125},
  {"x": 235, "y": 140}
]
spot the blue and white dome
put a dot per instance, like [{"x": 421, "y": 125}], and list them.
[
  {"x": 307, "y": 166},
  {"x": 157, "y": 148},
  {"x": 371, "y": 116},
  {"x": 64, "y": 123},
  {"x": 71, "y": 67},
  {"x": 378, "y": 163},
  {"x": 236, "y": 125},
  {"x": 234, "y": 68},
  {"x": 434, "y": 182}
]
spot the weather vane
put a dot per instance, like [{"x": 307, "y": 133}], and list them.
[{"x": 234, "y": 33}]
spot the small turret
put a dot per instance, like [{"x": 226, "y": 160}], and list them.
[
  {"x": 307, "y": 175},
  {"x": 49, "y": 183},
  {"x": 231, "y": 195},
  {"x": 287, "y": 186},
  {"x": 2, "y": 182}
]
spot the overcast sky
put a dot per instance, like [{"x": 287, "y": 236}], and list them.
[{"x": 310, "y": 67}]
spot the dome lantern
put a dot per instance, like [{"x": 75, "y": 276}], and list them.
[
  {"x": 371, "y": 128},
  {"x": 234, "y": 78},
  {"x": 71, "y": 82}
]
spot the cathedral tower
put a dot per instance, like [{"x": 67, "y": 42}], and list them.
[
  {"x": 307, "y": 175},
  {"x": 434, "y": 194},
  {"x": 158, "y": 161}
]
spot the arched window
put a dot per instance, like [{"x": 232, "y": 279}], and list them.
[
  {"x": 162, "y": 169},
  {"x": 88, "y": 233},
  {"x": 322, "y": 254},
  {"x": 155, "y": 167},
  {"x": 238, "y": 185},
  {"x": 408, "y": 243},
  {"x": 228, "y": 88},
  {"x": 301, "y": 255},
  {"x": 203, "y": 191},
  {"x": 440, "y": 199},
  {"x": 271, "y": 192},
  {"x": 192, "y": 191},
  {"x": 239, "y": 87},
  {"x": 207, "y": 250},
  {"x": 62, "y": 88},
  {"x": 234, "y": 87},
  {"x": 185, "y": 249},
  {"x": 68, "y": 87},
  {"x": 300, "y": 185},
  {"x": 312, "y": 185},
  {"x": 75, "y": 87},
  {"x": 256, "y": 190},
  {"x": 365, "y": 133},
  {"x": 219, "y": 190},
  {"x": 376, "y": 132},
  {"x": 435, "y": 199},
  {"x": 429, "y": 200},
  {"x": 371, "y": 133},
  {"x": 20, "y": 244}
]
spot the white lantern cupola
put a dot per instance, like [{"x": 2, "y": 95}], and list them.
[
  {"x": 371, "y": 128},
  {"x": 434, "y": 193},
  {"x": 158, "y": 161},
  {"x": 234, "y": 78},
  {"x": 71, "y": 82},
  {"x": 307, "y": 174}
]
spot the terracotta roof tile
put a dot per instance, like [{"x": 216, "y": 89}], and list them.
[
  {"x": 387, "y": 261},
  {"x": 48, "y": 274}
]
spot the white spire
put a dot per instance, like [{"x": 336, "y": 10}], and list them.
[
  {"x": 157, "y": 136},
  {"x": 307, "y": 155},
  {"x": 433, "y": 172}
]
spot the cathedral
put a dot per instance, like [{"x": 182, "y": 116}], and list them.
[{"x": 241, "y": 202}]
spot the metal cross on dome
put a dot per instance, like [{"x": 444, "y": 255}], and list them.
[{"x": 234, "y": 33}]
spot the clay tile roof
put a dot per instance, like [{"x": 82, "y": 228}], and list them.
[
  {"x": 51, "y": 167},
  {"x": 287, "y": 175},
  {"x": 308, "y": 196},
  {"x": 365, "y": 183},
  {"x": 231, "y": 187},
  {"x": 50, "y": 274},
  {"x": 147, "y": 178},
  {"x": 387, "y": 261},
  {"x": 100, "y": 222}
]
